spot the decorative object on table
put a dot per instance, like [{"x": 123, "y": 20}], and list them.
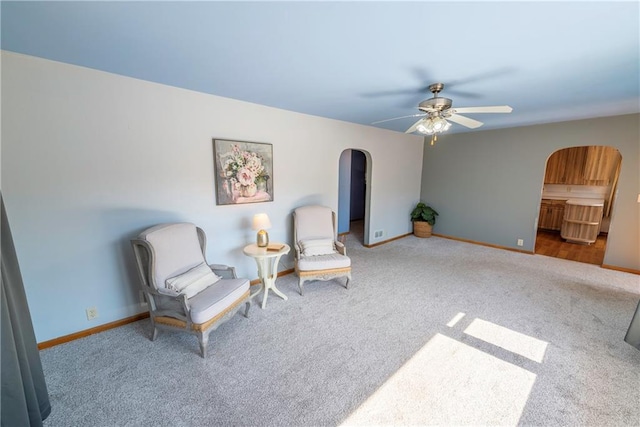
[
  {"x": 319, "y": 255},
  {"x": 244, "y": 172},
  {"x": 183, "y": 291},
  {"x": 261, "y": 223},
  {"x": 275, "y": 247},
  {"x": 423, "y": 218}
]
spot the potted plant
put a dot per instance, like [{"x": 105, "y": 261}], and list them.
[{"x": 423, "y": 218}]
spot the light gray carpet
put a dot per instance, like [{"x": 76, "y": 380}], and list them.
[{"x": 540, "y": 342}]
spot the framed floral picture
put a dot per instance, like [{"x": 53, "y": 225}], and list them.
[{"x": 244, "y": 172}]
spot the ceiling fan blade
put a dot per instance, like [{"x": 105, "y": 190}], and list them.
[
  {"x": 390, "y": 93},
  {"x": 463, "y": 94},
  {"x": 414, "y": 127},
  {"x": 494, "y": 109},
  {"x": 464, "y": 121},
  {"x": 423, "y": 76},
  {"x": 490, "y": 74},
  {"x": 396, "y": 118}
]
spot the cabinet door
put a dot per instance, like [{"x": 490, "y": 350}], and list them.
[
  {"x": 600, "y": 164},
  {"x": 574, "y": 168},
  {"x": 551, "y": 214},
  {"x": 594, "y": 165},
  {"x": 567, "y": 166},
  {"x": 545, "y": 219},
  {"x": 557, "y": 215},
  {"x": 555, "y": 168}
]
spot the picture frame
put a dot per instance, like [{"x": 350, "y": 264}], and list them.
[{"x": 243, "y": 172}]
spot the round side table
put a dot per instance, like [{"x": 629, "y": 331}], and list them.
[{"x": 267, "y": 261}]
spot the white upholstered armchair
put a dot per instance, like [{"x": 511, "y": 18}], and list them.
[
  {"x": 184, "y": 292},
  {"x": 318, "y": 253}
]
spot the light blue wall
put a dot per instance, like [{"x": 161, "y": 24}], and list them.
[
  {"x": 89, "y": 159},
  {"x": 486, "y": 185}
]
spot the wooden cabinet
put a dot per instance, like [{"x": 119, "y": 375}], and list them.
[
  {"x": 574, "y": 167},
  {"x": 557, "y": 213},
  {"x": 601, "y": 165},
  {"x": 582, "y": 221},
  {"x": 566, "y": 166},
  {"x": 554, "y": 173},
  {"x": 551, "y": 214},
  {"x": 593, "y": 165},
  {"x": 544, "y": 219}
]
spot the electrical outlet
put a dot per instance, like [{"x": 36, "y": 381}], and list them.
[
  {"x": 377, "y": 234},
  {"x": 92, "y": 313},
  {"x": 520, "y": 242}
]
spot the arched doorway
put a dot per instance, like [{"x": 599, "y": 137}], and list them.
[
  {"x": 577, "y": 202},
  {"x": 354, "y": 195}
]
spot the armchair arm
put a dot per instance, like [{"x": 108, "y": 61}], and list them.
[
  {"x": 224, "y": 271},
  {"x": 168, "y": 293},
  {"x": 164, "y": 292},
  {"x": 341, "y": 248}
]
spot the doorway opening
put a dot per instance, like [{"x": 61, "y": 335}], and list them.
[
  {"x": 577, "y": 202},
  {"x": 354, "y": 195}
]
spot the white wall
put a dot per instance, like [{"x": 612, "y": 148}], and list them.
[
  {"x": 89, "y": 159},
  {"x": 487, "y": 185}
]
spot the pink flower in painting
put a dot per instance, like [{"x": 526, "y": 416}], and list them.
[{"x": 245, "y": 176}]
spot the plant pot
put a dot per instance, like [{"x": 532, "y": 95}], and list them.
[{"x": 422, "y": 229}]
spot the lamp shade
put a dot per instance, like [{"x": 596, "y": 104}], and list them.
[{"x": 261, "y": 221}]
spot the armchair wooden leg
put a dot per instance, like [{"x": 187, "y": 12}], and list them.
[
  {"x": 346, "y": 285},
  {"x": 301, "y": 286},
  {"x": 154, "y": 334},
  {"x": 246, "y": 310},
  {"x": 203, "y": 339}
]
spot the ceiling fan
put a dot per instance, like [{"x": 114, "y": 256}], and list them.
[{"x": 437, "y": 112}]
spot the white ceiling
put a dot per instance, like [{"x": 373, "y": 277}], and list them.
[{"x": 357, "y": 61}]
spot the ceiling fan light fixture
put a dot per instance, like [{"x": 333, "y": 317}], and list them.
[
  {"x": 425, "y": 128},
  {"x": 433, "y": 125},
  {"x": 440, "y": 124}
]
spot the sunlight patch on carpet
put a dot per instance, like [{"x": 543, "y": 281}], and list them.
[
  {"x": 455, "y": 320},
  {"x": 524, "y": 345},
  {"x": 450, "y": 383}
]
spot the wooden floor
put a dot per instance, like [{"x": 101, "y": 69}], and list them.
[{"x": 551, "y": 244}]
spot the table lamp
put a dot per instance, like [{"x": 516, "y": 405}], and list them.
[{"x": 261, "y": 222}]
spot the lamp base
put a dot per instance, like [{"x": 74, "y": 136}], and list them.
[{"x": 262, "y": 239}]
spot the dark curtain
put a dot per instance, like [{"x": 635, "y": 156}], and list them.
[
  {"x": 25, "y": 400},
  {"x": 633, "y": 334}
]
